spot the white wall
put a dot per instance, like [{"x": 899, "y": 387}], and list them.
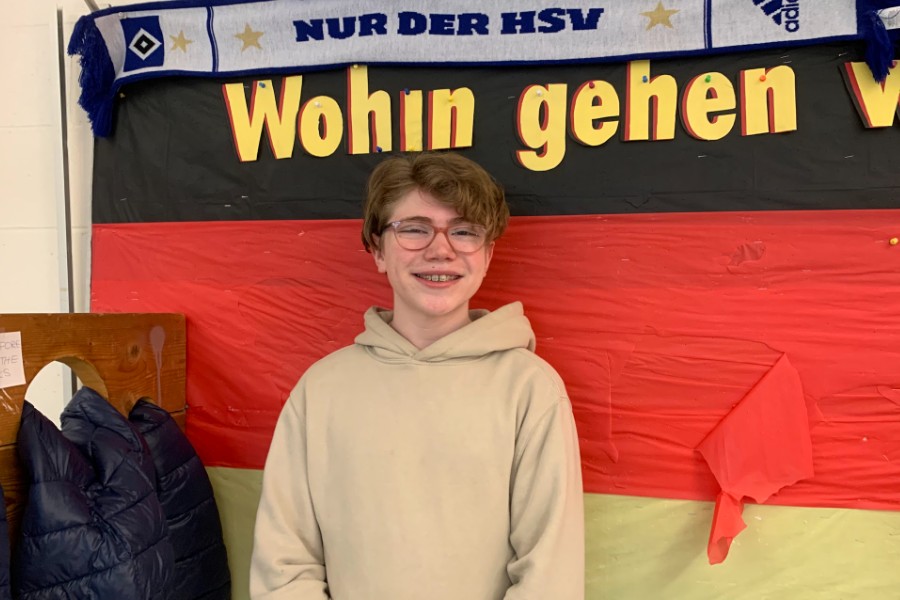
[{"x": 33, "y": 272}]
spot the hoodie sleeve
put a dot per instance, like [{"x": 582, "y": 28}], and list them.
[
  {"x": 547, "y": 510},
  {"x": 288, "y": 559}
]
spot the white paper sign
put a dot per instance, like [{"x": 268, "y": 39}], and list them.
[{"x": 12, "y": 370}]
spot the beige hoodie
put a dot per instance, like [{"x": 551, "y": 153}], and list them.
[{"x": 447, "y": 473}]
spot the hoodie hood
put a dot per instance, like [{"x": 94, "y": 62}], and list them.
[{"x": 503, "y": 329}]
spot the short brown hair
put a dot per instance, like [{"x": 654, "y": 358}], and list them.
[{"x": 450, "y": 178}]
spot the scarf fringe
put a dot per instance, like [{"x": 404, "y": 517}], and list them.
[
  {"x": 880, "y": 50},
  {"x": 97, "y": 79}
]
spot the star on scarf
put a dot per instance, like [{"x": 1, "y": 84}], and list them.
[
  {"x": 249, "y": 37},
  {"x": 660, "y": 16},
  {"x": 179, "y": 42}
]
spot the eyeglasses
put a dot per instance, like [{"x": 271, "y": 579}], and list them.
[{"x": 418, "y": 235}]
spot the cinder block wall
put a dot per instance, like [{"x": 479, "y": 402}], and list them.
[{"x": 33, "y": 265}]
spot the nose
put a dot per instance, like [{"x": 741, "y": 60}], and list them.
[{"x": 440, "y": 248}]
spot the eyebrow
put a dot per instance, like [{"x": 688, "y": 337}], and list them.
[{"x": 428, "y": 220}]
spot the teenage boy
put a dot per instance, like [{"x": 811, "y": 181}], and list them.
[{"x": 436, "y": 458}]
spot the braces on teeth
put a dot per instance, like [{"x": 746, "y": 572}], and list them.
[{"x": 438, "y": 277}]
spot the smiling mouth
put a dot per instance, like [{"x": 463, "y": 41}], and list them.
[{"x": 440, "y": 278}]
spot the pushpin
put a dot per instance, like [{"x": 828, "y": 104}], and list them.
[
  {"x": 377, "y": 148},
  {"x": 645, "y": 79},
  {"x": 539, "y": 93},
  {"x": 406, "y": 91},
  {"x": 762, "y": 77},
  {"x": 317, "y": 104},
  {"x": 261, "y": 84},
  {"x": 355, "y": 66},
  {"x": 894, "y": 241},
  {"x": 591, "y": 85},
  {"x": 708, "y": 78}
]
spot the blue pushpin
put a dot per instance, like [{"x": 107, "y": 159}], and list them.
[{"x": 645, "y": 79}]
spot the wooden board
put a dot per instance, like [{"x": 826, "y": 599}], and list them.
[{"x": 124, "y": 357}]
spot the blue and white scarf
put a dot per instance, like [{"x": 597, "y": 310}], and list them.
[{"x": 227, "y": 37}]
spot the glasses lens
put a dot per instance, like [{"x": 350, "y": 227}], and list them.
[
  {"x": 413, "y": 235},
  {"x": 467, "y": 237}
]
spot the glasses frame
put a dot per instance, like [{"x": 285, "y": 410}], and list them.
[{"x": 393, "y": 225}]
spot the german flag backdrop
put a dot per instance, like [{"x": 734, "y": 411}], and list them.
[{"x": 706, "y": 247}]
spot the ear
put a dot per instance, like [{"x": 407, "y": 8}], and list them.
[
  {"x": 378, "y": 254},
  {"x": 488, "y": 255}
]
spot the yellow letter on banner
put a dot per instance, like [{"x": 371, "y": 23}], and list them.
[
  {"x": 411, "y": 121},
  {"x": 877, "y": 103},
  {"x": 541, "y": 123},
  {"x": 705, "y": 94},
  {"x": 279, "y": 119},
  {"x": 593, "y": 101},
  {"x": 650, "y": 105},
  {"x": 768, "y": 100},
  {"x": 321, "y": 126},
  {"x": 361, "y": 105},
  {"x": 451, "y": 118}
]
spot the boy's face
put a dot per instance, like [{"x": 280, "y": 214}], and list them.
[{"x": 416, "y": 297}]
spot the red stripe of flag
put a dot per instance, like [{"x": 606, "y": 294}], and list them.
[{"x": 660, "y": 324}]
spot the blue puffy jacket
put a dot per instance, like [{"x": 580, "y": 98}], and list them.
[
  {"x": 93, "y": 526},
  {"x": 187, "y": 499}
]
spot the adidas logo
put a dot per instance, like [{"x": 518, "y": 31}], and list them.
[{"x": 784, "y": 12}]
